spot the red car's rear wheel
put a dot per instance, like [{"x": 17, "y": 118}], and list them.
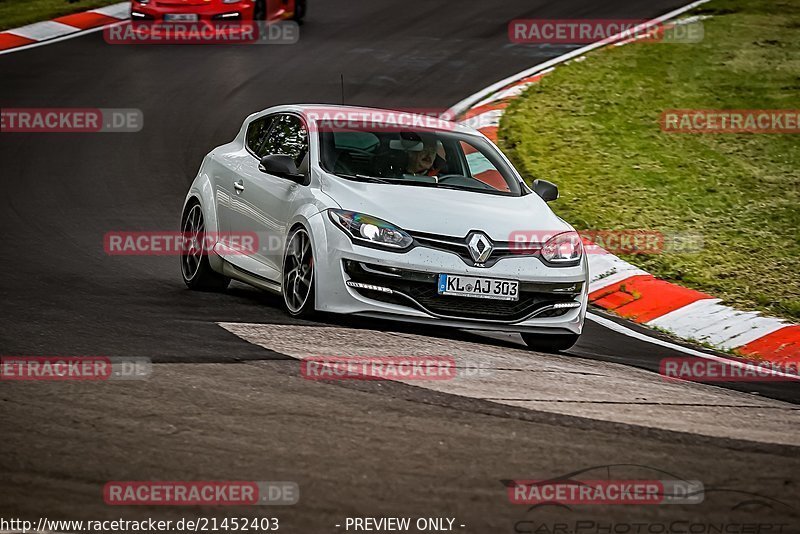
[
  {"x": 300, "y": 8},
  {"x": 260, "y": 10}
]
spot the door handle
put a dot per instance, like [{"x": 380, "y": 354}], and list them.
[{"x": 239, "y": 186}]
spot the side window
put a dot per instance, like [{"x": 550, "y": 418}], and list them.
[
  {"x": 257, "y": 133},
  {"x": 481, "y": 168},
  {"x": 287, "y": 136}
]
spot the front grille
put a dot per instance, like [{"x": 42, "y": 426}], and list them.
[
  {"x": 419, "y": 290},
  {"x": 458, "y": 246}
]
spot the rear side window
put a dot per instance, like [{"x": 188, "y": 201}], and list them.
[
  {"x": 287, "y": 136},
  {"x": 257, "y": 133}
]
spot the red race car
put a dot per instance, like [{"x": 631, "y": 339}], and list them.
[{"x": 217, "y": 10}]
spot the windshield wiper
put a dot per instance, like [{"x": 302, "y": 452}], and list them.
[
  {"x": 415, "y": 183},
  {"x": 435, "y": 185},
  {"x": 373, "y": 178},
  {"x": 364, "y": 178}
]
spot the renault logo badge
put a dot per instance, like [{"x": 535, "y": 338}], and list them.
[{"x": 480, "y": 248}]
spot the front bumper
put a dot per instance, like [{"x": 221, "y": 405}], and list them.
[
  {"x": 410, "y": 278},
  {"x": 152, "y": 13}
]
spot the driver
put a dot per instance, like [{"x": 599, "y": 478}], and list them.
[{"x": 423, "y": 161}]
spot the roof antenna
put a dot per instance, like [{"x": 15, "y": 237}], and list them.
[{"x": 342, "y": 77}]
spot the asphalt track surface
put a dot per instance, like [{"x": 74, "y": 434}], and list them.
[{"x": 220, "y": 408}]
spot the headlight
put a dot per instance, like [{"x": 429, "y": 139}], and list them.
[
  {"x": 372, "y": 230},
  {"x": 563, "y": 249},
  {"x": 230, "y": 1}
]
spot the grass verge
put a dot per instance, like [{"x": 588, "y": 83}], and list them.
[
  {"x": 15, "y": 13},
  {"x": 593, "y": 128}
]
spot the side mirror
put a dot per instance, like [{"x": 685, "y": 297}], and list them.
[
  {"x": 281, "y": 165},
  {"x": 547, "y": 190}
]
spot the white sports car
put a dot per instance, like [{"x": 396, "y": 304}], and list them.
[{"x": 385, "y": 216}]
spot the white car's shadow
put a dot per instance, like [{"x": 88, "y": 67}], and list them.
[{"x": 276, "y": 313}]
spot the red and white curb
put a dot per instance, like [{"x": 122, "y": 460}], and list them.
[
  {"x": 625, "y": 289},
  {"x": 63, "y": 27}
]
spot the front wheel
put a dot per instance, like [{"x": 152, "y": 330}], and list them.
[
  {"x": 550, "y": 342},
  {"x": 298, "y": 274}
]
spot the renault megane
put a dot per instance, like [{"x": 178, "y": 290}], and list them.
[{"x": 386, "y": 216}]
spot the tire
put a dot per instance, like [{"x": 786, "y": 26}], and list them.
[
  {"x": 298, "y": 274},
  {"x": 300, "y": 9},
  {"x": 195, "y": 268},
  {"x": 260, "y": 10},
  {"x": 550, "y": 342}
]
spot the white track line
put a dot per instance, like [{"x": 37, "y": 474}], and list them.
[
  {"x": 606, "y": 270},
  {"x": 49, "y": 31},
  {"x": 118, "y": 11},
  {"x": 484, "y": 120},
  {"x": 709, "y": 321},
  {"x": 62, "y": 38},
  {"x": 512, "y": 92},
  {"x": 616, "y": 327},
  {"x": 467, "y": 103},
  {"x": 39, "y": 31}
]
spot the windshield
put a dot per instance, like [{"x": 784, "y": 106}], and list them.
[{"x": 439, "y": 159}]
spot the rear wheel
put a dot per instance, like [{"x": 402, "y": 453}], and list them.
[
  {"x": 550, "y": 342},
  {"x": 260, "y": 10},
  {"x": 298, "y": 274},
  {"x": 197, "y": 272}
]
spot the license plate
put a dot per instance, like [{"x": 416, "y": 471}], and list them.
[
  {"x": 478, "y": 287},
  {"x": 181, "y": 17}
]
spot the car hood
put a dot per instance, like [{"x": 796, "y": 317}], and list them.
[{"x": 445, "y": 211}]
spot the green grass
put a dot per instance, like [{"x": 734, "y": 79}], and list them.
[
  {"x": 15, "y": 13},
  {"x": 592, "y": 127}
]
